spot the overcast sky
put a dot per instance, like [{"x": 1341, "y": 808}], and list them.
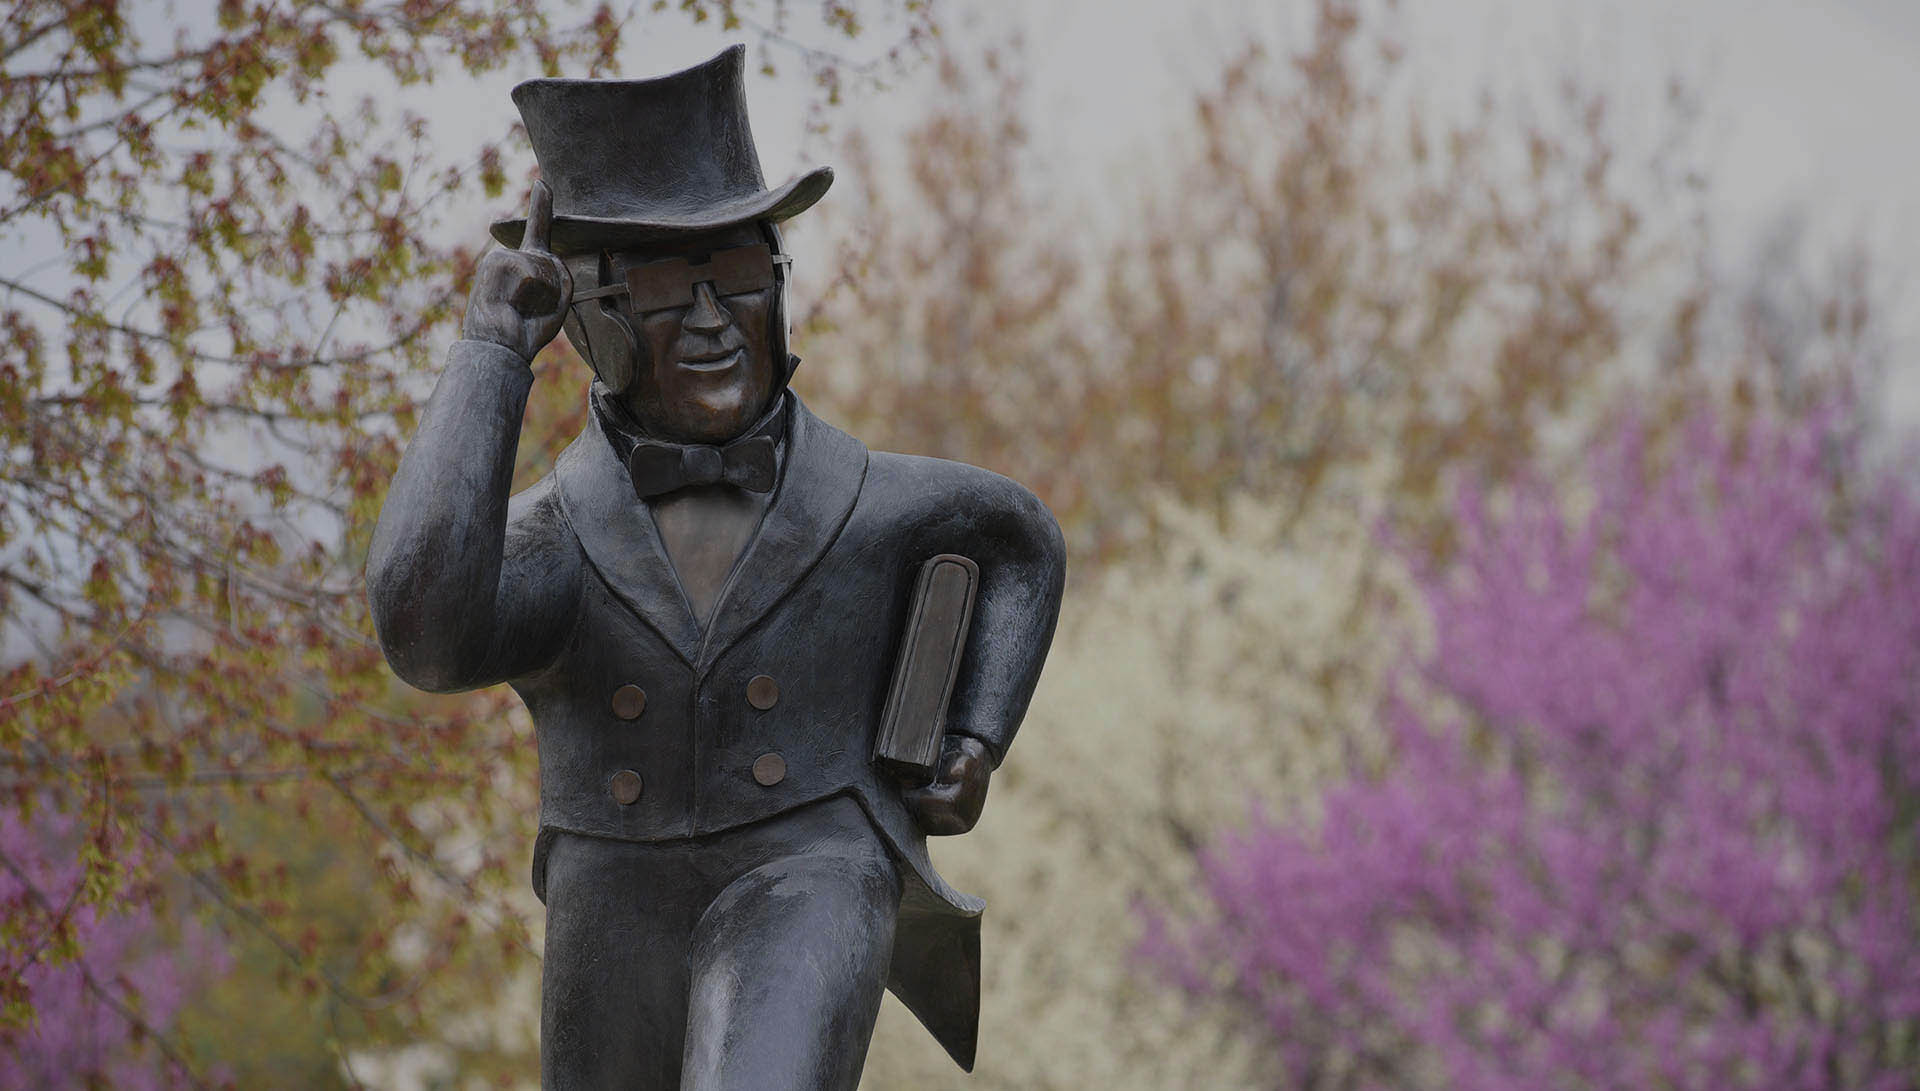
[
  {"x": 1806, "y": 100},
  {"x": 1809, "y": 106}
]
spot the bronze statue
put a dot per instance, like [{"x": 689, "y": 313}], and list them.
[{"x": 709, "y": 607}]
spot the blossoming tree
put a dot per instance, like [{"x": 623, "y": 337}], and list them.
[{"x": 1650, "y": 822}]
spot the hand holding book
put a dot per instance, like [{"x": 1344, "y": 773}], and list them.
[{"x": 952, "y": 803}]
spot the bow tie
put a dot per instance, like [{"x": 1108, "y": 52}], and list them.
[
  {"x": 749, "y": 461},
  {"x": 659, "y": 468}
]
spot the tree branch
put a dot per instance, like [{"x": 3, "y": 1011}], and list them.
[{"x": 173, "y": 1053}]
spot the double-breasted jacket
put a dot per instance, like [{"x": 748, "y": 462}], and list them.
[{"x": 653, "y": 727}]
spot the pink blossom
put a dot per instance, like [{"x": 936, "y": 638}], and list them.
[
  {"x": 120, "y": 956},
  {"x": 1669, "y": 842}
]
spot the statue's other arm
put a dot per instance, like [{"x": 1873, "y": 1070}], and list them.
[
  {"x": 1023, "y": 565},
  {"x": 1022, "y": 576}
]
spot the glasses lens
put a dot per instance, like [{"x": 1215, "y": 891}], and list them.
[
  {"x": 659, "y": 285},
  {"x": 742, "y": 269}
]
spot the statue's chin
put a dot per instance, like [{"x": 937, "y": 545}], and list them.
[{"x": 707, "y": 416}]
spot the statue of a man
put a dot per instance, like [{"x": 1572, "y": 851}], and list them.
[{"x": 703, "y": 608}]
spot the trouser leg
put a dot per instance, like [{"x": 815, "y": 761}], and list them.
[
  {"x": 789, "y": 965},
  {"x": 615, "y": 977}
]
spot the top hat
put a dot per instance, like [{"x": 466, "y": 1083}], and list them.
[{"x": 633, "y": 161}]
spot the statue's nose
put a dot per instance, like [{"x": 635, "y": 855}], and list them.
[{"x": 706, "y": 314}]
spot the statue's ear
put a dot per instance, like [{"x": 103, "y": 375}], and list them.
[{"x": 598, "y": 333}]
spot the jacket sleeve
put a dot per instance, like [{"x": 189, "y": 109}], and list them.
[
  {"x": 467, "y": 590},
  {"x": 1023, "y": 565}
]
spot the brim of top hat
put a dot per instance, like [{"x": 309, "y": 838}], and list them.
[{"x": 575, "y": 234}]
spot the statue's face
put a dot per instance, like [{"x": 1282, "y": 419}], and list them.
[{"x": 704, "y": 370}]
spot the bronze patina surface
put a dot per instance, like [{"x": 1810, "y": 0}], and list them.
[{"x": 702, "y": 607}]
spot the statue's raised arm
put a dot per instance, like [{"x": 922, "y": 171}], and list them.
[{"x": 455, "y": 603}]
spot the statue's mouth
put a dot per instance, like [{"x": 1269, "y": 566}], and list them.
[{"x": 712, "y": 361}]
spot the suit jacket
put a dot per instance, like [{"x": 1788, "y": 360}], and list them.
[{"x": 565, "y": 592}]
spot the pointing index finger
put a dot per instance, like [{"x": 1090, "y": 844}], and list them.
[{"x": 539, "y": 220}]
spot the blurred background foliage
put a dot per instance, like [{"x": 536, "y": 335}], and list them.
[{"x": 1253, "y": 408}]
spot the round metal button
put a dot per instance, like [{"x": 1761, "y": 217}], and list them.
[
  {"x": 629, "y": 702},
  {"x": 769, "y": 769},
  {"x": 626, "y": 787},
  {"x": 763, "y": 692}
]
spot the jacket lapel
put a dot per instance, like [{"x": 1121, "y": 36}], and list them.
[
  {"x": 820, "y": 480},
  {"x": 620, "y": 538}
]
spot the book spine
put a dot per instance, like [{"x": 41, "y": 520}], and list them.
[{"x": 908, "y": 740}]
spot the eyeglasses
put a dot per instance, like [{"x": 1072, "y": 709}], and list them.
[{"x": 662, "y": 285}]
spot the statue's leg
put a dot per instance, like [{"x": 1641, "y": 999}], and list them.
[
  {"x": 789, "y": 964},
  {"x": 614, "y": 980}
]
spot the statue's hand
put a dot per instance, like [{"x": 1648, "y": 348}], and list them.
[
  {"x": 520, "y": 297},
  {"x": 952, "y": 803}
]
